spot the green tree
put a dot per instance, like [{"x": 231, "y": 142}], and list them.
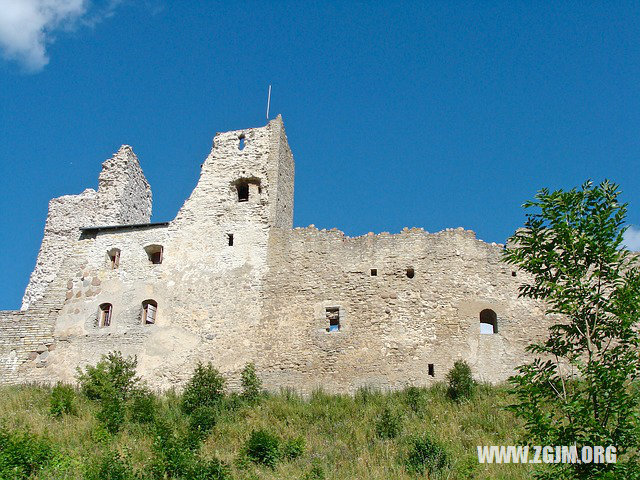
[
  {"x": 582, "y": 387},
  {"x": 461, "y": 384},
  {"x": 204, "y": 388},
  {"x": 113, "y": 374},
  {"x": 251, "y": 383}
]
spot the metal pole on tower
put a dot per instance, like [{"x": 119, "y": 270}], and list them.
[{"x": 268, "y": 102}]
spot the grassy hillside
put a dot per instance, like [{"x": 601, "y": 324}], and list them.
[{"x": 367, "y": 436}]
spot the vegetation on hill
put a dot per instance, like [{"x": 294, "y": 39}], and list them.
[{"x": 113, "y": 428}]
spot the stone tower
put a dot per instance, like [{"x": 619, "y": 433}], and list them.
[{"x": 123, "y": 196}]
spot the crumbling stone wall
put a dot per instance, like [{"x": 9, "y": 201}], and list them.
[
  {"x": 123, "y": 196},
  {"x": 262, "y": 295}
]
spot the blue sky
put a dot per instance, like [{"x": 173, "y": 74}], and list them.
[{"x": 428, "y": 114}]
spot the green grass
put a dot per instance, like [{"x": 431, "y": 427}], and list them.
[{"x": 339, "y": 433}]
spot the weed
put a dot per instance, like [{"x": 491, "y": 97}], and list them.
[{"x": 62, "y": 397}]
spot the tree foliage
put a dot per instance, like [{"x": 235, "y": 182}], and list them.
[{"x": 582, "y": 387}]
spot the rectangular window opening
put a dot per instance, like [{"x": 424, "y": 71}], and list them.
[
  {"x": 333, "y": 317},
  {"x": 243, "y": 192},
  {"x": 115, "y": 260},
  {"x": 230, "y": 239},
  {"x": 431, "y": 370},
  {"x": 156, "y": 258},
  {"x": 374, "y": 272}
]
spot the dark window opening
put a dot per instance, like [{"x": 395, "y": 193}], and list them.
[
  {"x": 243, "y": 192},
  {"x": 230, "y": 239},
  {"x": 154, "y": 252},
  {"x": 513, "y": 274},
  {"x": 241, "y": 143},
  {"x": 333, "y": 317},
  {"x": 374, "y": 272},
  {"x": 149, "y": 312},
  {"x": 432, "y": 372},
  {"x": 247, "y": 188},
  {"x": 114, "y": 258},
  {"x": 104, "y": 315},
  {"x": 410, "y": 273},
  {"x": 488, "y": 322}
]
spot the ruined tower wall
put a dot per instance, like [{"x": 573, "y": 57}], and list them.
[
  {"x": 123, "y": 196},
  {"x": 209, "y": 293}
]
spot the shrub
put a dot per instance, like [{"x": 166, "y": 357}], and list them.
[
  {"x": 263, "y": 448},
  {"x": 251, "y": 383},
  {"x": 425, "y": 454},
  {"x": 213, "y": 469},
  {"x": 143, "y": 406},
  {"x": 112, "y": 466},
  {"x": 461, "y": 383},
  {"x": 112, "y": 413},
  {"x": 293, "y": 448},
  {"x": 22, "y": 454},
  {"x": 205, "y": 388},
  {"x": 174, "y": 456},
  {"x": 414, "y": 398},
  {"x": 62, "y": 397},
  {"x": 203, "y": 419},
  {"x": 316, "y": 472},
  {"x": 113, "y": 374},
  {"x": 389, "y": 425}
]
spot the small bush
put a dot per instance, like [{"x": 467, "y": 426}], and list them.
[
  {"x": 113, "y": 374},
  {"x": 461, "y": 383},
  {"x": 251, "y": 383},
  {"x": 425, "y": 454},
  {"x": 112, "y": 413},
  {"x": 173, "y": 454},
  {"x": 143, "y": 406},
  {"x": 263, "y": 448},
  {"x": 293, "y": 448},
  {"x": 205, "y": 388},
  {"x": 389, "y": 425},
  {"x": 112, "y": 466},
  {"x": 414, "y": 398},
  {"x": 22, "y": 454},
  {"x": 213, "y": 469},
  {"x": 316, "y": 472},
  {"x": 62, "y": 397},
  {"x": 203, "y": 419}
]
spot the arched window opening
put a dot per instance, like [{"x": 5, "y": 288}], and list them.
[
  {"x": 410, "y": 272},
  {"x": 104, "y": 314},
  {"x": 241, "y": 143},
  {"x": 154, "y": 252},
  {"x": 488, "y": 322},
  {"x": 114, "y": 258},
  {"x": 149, "y": 312}
]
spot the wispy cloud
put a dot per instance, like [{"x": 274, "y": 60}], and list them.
[
  {"x": 632, "y": 238},
  {"x": 28, "y": 26}
]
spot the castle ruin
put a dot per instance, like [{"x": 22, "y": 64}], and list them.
[{"x": 230, "y": 281}]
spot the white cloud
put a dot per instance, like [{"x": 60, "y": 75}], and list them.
[
  {"x": 28, "y": 26},
  {"x": 632, "y": 238}
]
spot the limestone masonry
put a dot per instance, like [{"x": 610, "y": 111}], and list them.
[{"x": 230, "y": 281}]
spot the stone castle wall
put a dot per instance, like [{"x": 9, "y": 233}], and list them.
[
  {"x": 263, "y": 296},
  {"x": 123, "y": 196}
]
